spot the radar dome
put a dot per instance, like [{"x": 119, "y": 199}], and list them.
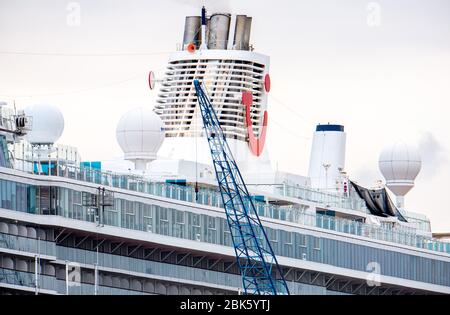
[
  {"x": 400, "y": 163},
  {"x": 47, "y": 124},
  {"x": 140, "y": 134}
]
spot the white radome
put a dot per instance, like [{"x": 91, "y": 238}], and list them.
[
  {"x": 140, "y": 134},
  {"x": 400, "y": 163},
  {"x": 47, "y": 124}
]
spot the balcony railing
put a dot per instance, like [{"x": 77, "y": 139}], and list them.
[
  {"x": 26, "y": 279},
  {"x": 295, "y": 214},
  {"x": 327, "y": 199}
]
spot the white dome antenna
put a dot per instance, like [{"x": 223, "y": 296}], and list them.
[
  {"x": 140, "y": 134},
  {"x": 47, "y": 124},
  {"x": 400, "y": 163}
]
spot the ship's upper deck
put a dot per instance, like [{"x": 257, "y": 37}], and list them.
[{"x": 299, "y": 205}]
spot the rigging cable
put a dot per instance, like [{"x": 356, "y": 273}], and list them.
[
  {"x": 290, "y": 109},
  {"x": 74, "y": 91},
  {"x": 63, "y": 54},
  {"x": 290, "y": 131}
]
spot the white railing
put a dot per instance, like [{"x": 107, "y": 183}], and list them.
[{"x": 295, "y": 214}]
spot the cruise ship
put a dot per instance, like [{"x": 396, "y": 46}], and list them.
[{"x": 154, "y": 223}]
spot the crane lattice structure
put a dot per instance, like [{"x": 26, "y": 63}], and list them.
[{"x": 258, "y": 265}]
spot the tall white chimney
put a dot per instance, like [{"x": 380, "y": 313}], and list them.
[{"x": 327, "y": 160}]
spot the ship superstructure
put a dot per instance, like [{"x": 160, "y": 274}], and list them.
[
  {"x": 227, "y": 67},
  {"x": 69, "y": 226},
  {"x": 225, "y": 62}
]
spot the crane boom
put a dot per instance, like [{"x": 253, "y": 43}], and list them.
[{"x": 257, "y": 262}]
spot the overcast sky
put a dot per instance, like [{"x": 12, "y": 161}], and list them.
[{"x": 380, "y": 68}]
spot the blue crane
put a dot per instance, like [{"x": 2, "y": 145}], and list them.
[{"x": 258, "y": 265}]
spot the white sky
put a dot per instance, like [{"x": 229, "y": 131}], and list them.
[{"x": 328, "y": 64}]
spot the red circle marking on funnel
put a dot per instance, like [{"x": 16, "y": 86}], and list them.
[
  {"x": 267, "y": 83},
  {"x": 191, "y": 48}
]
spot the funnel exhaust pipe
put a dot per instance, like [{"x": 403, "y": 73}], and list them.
[{"x": 204, "y": 44}]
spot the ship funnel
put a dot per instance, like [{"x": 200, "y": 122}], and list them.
[
  {"x": 192, "y": 31},
  {"x": 219, "y": 29},
  {"x": 216, "y": 31},
  {"x": 327, "y": 157},
  {"x": 242, "y": 32}
]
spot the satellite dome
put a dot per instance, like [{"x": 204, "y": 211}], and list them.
[
  {"x": 47, "y": 124},
  {"x": 400, "y": 163},
  {"x": 140, "y": 134}
]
